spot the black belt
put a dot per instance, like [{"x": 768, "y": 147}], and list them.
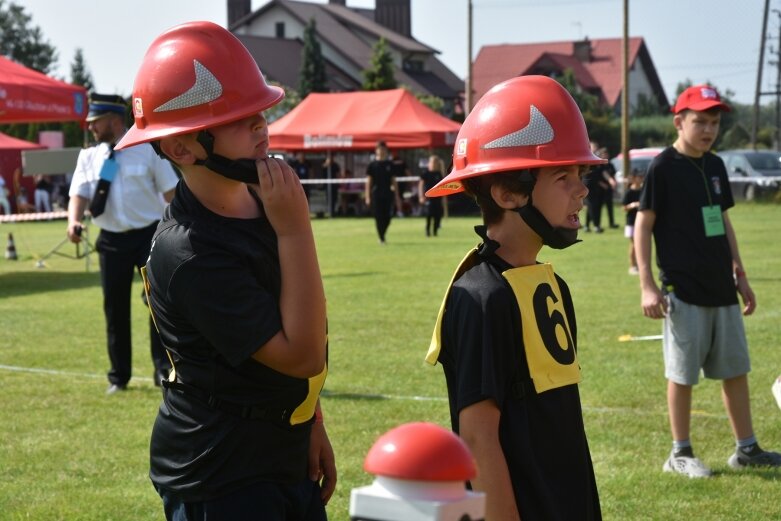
[{"x": 245, "y": 411}]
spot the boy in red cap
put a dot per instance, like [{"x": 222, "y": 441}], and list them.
[
  {"x": 684, "y": 206},
  {"x": 235, "y": 290},
  {"x": 506, "y": 334}
]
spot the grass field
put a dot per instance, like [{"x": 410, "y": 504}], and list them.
[{"x": 68, "y": 452}]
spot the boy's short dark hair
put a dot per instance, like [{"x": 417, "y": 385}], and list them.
[
  {"x": 711, "y": 112},
  {"x": 479, "y": 188}
]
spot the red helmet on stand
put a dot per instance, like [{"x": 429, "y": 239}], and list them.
[
  {"x": 195, "y": 76},
  {"x": 525, "y": 122}
]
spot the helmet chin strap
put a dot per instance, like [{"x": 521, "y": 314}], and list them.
[
  {"x": 557, "y": 238},
  {"x": 242, "y": 170}
]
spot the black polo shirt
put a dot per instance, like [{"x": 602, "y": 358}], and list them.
[
  {"x": 215, "y": 286},
  {"x": 382, "y": 174}
]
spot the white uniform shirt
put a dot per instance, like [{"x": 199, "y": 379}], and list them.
[{"x": 134, "y": 199}]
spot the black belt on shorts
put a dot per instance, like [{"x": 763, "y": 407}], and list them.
[{"x": 245, "y": 411}]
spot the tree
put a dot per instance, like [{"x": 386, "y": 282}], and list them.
[
  {"x": 22, "y": 42},
  {"x": 80, "y": 74},
  {"x": 312, "y": 75},
  {"x": 646, "y": 106},
  {"x": 379, "y": 75},
  {"x": 291, "y": 100},
  {"x": 586, "y": 102}
]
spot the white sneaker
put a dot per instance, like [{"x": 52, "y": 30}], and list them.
[
  {"x": 777, "y": 390},
  {"x": 691, "y": 467}
]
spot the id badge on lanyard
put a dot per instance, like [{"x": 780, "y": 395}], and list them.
[{"x": 713, "y": 220}]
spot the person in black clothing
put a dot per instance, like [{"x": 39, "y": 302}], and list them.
[
  {"x": 600, "y": 192},
  {"x": 382, "y": 190},
  {"x": 506, "y": 334},
  {"x": 234, "y": 287},
  {"x": 432, "y": 207},
  {"x": 332, "y": 170},
  {"x": 300, "y": 166},
  {"x": 609, "y": 175},
  {"x": 631, "y": 202}
]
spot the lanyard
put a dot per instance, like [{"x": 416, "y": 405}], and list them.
[{"x": 701, "y": 170}]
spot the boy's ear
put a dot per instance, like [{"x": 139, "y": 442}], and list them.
[
  {"x": 178, "y": 149},
  {"x": 678, "y": 121},
  {"x": 506, "y": 199}
]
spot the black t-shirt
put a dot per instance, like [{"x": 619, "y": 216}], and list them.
[
  {"x": 630, "y": 197},
  {"x": 215, "y": 286},
  {"x": 542, "y": 435},
  {"x": 699, "y": 268},
  {"x": 430, "y": 179},
  {"x": 382, "y": 174}
]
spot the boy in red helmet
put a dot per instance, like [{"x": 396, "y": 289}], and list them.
[
  {"x": 506, "y": 332},
  {"x": 684, "y": 206},
  {"x": 235, "y": 291}
]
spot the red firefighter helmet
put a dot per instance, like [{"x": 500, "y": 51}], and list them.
[
  {"x": 525, "y": 122},
  {"x": 195, "y": 76}
]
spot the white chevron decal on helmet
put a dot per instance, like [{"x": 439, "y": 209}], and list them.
[
  {"x": 205, "y": 89},
  {"x": 538, "y": 132}
]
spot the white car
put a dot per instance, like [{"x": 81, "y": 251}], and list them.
[{"x": 639, "y": 159}]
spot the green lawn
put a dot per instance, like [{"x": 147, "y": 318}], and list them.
[{"x": 68, "y": 452}]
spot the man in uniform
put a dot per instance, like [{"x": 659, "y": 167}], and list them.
[{"x": 122, "y": 190}]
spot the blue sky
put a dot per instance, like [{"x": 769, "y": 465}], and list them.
[{"x": 716, "y": 40}]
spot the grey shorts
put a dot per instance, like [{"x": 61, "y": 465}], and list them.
[{"x": 709, "y": 338}]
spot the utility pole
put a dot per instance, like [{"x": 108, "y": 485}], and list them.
[
  {"x": 468, "y": 89},
  {"x": 777, "y": 63},
  {"x": 762, "y": 43},
  {"x": 778, "y": 84},
  {"x": 626, "y": 165}
]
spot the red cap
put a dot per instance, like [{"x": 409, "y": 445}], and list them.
[
  {"x": 420, "y": 452},
  {"x": 700, "y": 98}
]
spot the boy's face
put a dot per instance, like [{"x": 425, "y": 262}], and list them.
[
  {"x": 558, "y": 194},
  {"x": 243, "y": 139},
  {"x": 697, "y": 130}
]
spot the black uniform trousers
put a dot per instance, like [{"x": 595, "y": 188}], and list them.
[
  {"x": 383, "y": 211},
  {"x": 121, "y": 254}
]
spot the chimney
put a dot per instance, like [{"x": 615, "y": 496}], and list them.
[
  {"x": 238, "y": 9},
  {"x": 582, "y": 50},
  {"x": 395, "y": 15}
]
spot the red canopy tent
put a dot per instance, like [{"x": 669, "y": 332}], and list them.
[
  {"x": 28, "y": 96},
  {"x": 11, "y": 162},
  {"x": 11, "y": 143},
  {"x": 357, "y": 120}
]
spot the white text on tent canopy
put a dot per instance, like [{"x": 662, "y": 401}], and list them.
[{"x": 326, "y": 141}]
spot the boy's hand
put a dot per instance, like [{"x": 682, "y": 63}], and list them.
[
  {"x": 747, "y": 294},
  {"x": 283, "y": 197},
  {"x": 653, "y": 303},
  {"x": 322, "y": 467}
]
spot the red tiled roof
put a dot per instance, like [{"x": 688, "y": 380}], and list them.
[{"x": 496, "y": 63}]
